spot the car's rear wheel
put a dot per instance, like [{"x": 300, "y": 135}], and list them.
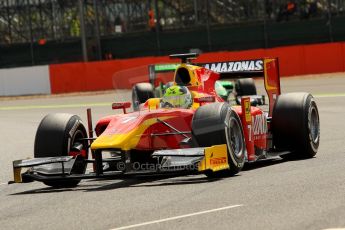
[
  {"x": 62, "y": 135},
  {"x": 216, "y": 124},
  {"x": 245, "y": 87},
  {"x": 141, "y": 92},
  {"x": 296, "y": 125}
]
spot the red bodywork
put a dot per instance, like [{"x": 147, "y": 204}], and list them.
[{"x": 255, "y": 129}]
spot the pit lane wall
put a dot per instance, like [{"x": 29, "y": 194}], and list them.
[
  {"x": 24, "y": 81},
  {"x": 93, "y": 76},
  {"x": 294, "y": 60}
]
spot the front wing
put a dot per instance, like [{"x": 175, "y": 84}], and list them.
[{"x": 214, "y": 158}]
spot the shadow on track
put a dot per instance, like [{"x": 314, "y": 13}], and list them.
[
  {"x": 263, "y": 163},
  {"x": 139, "y": 181},
  {"x": 95, "y": 185},
  {"x": 270, "y": 162},
  {"x": 145, "y": 182}
]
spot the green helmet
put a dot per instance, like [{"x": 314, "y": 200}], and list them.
[{"x": 177, "y": 97}]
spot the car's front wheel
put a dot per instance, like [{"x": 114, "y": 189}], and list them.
[
  {"x": 216, "y": 124},
  {"x": 62, "y": 134}
]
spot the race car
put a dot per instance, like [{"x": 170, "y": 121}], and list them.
[
  {"x": 190, "y": 129},
  {"x": 161, "y": 75}
]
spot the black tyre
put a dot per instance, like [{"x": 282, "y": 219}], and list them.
[
  {"x": 245, "y": 87},
  {"x": 59, "y": 135},
  {"x": 141, "y": 92},
  {"x": 215, "y": 124},
  {"x": 296, "y": 125}
]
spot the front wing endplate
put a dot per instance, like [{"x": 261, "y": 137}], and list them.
[{"x": 215, "y": 159}]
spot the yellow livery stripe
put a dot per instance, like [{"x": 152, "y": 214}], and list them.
[{"x": 125, "y": 141}]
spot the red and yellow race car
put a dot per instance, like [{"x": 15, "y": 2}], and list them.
[{"x": 189, "y": 129}]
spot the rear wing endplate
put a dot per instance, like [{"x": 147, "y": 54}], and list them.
[{"x": 268, "y": 68}]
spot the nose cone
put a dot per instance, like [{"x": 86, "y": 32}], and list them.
[
  {"x": 125, "y": 136},
  {"x": 124, "y": 141},
  {"x": 121, "y": 135},
  {"x": 127, "y": 131}
]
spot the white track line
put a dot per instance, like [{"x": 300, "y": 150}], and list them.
[
  {"x": 334, "y": 229},
  {"x": 3, "y": 183},
  {"x": 327, "y": 95},
  {"x": 177, "y": 217}
]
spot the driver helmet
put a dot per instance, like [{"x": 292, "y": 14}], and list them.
[{"x": 177, "y": 97}]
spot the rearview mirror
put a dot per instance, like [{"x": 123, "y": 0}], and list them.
[
  {"x": 204, "y": 99},
  {"x": 121, "y": 105}
]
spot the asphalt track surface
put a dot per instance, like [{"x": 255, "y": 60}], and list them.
[{"x": 276, "y": 194}]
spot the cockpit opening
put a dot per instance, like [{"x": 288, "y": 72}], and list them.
[{"x": 182, "y": 77}]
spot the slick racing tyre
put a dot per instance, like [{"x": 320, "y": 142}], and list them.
[
  {"x": 60, "y": 135},
  {"x": 141, "y": 92},
  {"x": 245, "y": 86},
  {"x": 296, "y": 125},
  {"x": 216, "y": 124}
]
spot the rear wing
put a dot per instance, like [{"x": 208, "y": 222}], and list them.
[
  {"x": 230, "y": 69},
  {"x": 236, "y": 69},
  {"x": 268, "y": 68},
  {"x": 160, "y": 68},
  {"x": 272, "y": 81}
]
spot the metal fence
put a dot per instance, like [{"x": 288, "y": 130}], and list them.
[{"x": 41, "y": 21}]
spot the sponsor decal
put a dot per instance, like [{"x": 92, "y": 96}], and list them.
[
  {"x": 235, "y": 66},
  {"x": 258, "y": 128},
  {"x": 205, "y": 75},
  {"x": 165, "y": 67},
  {"x": 247, "y": 107},
  {"x": 218, "y": 161},
  {"x": 74, "y": 128},
  {"x": 259, "y": 124},
  {"x": 128, "y": 119}
]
